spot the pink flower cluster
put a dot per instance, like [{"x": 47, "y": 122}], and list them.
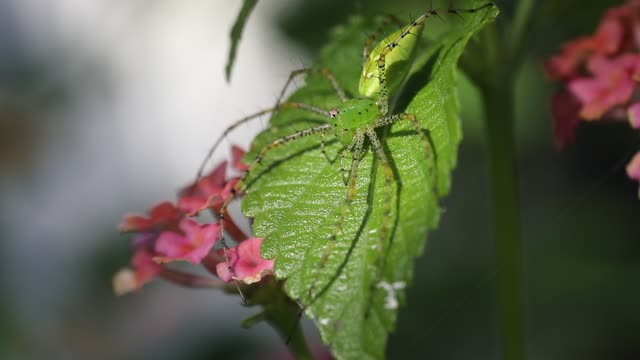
[
  {"x": 171, "y": 233},
  {"x": 600, "y": 75}
]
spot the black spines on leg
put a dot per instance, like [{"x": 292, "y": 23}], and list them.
[{"x": 366, "y": 51}]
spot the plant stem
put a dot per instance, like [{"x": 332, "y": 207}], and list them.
[
  {"x": 520, "y": 26},
  {"x": 499, "y": 111},
  {"x": 503, "y": 56}
]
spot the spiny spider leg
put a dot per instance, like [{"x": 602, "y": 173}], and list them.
[
  {"x": 389, "y": 178},
  {"x": 238, "y": 187},
  {"x": 383, "y": 100},
  {"x": 426, "y": 144},
  {"x": 345, "y": 153},
  {"x": 358, "y": 145},
  {"x": 383, "y": 104},
  {"x": 433, "y": 174},
  {"x": 278, "y": 106},
  {"x": 322, "y": 150},
  {"x": 359, "y": 119},
  {"x": 374, "y": 35},
  {"x": 305, "y": 71},
  {"x": 285, "y": 105},
  {"x": 383, "y": 107}
]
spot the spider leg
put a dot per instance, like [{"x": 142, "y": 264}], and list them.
[
  {"x": 239, "y": 186},
  {"x": 389, "y": 178},
  {"x": 386, "y": 218},
  {"x": 426, "y": 144},
  {"x": 386, "y": 226},
  {"x": 322, "y": 150},
  {"x": 246, "y": 119},
  {"x": 418, "y": 23},
  {"x": 358, "y": 141},
  {"x": 323, "y": 71},
  {"x": 345, "y": 153},
  {"x": 366, "y": 50}
]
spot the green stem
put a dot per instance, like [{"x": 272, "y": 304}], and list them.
[
  {"x": 504, "y": 53},
  {"x": 520, "y": 27},
  {"x": 499, "y": 110}
]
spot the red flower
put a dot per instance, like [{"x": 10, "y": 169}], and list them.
[
  {"x": 144, "y": 270},
  {"x": 162, "y": 217},
  {"x": 209, "y": 192},
  {"x": 609, "y": 35},
  {"x": 633, "y": 112},
  {"x": 247, "y": 263},
  {"x": 610, "y": 86},
  {"x": 163, "y": 214},
  {"x": 236, "y": 158},
  {"x": 167, "y": 235},
  {"x": 633, "y": 169},
  {"x": 601, "y": 72},
  {"x": 567, "y": 64},
  {"x": 606, "y": 41},
  {"x": 192, "y": 244}
]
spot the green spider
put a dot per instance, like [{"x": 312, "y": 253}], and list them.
[{"x": 352, "y": 122}]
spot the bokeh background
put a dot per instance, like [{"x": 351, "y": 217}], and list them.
[{"x": 107, "y": 107}]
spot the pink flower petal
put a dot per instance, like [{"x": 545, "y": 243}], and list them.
[
  {"x": 192, "y": 205},
  {"x": 236, "y": 158},
  {"x": 218, "y": 174},
  {"x": 170, "y": 244},
  {"x": 209, "y": 192},
  {"x": 193, "y": 245},
  {"x": 567, "y": 64},
  {"x": 228, "y": 189},
  {"x": 634, "y": 115},
  {"x": 215, "y": 179},
  {"x": 633, "y": 168},
  {"x": 610, "y": 86},
  {"x": 247, "y": 263},
  {"x": 164, "y": 213},
  {"x": 608, "y": 36},
  {"x": 145, "y": 269}
]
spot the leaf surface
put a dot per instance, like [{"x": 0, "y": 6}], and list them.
[{"x": 296, "y": 195}]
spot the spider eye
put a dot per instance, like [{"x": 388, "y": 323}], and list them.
[{"x": 334, "y": 112}]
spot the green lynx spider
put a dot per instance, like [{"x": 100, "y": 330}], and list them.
[{"x": 352, "y": 122}]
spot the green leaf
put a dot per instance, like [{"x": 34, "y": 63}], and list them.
[
  {"x": 236, "y": 33},
  {"x": 296, "y": 195}
]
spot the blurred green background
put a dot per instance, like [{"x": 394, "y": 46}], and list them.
[{"x": 108, "y": 107}]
